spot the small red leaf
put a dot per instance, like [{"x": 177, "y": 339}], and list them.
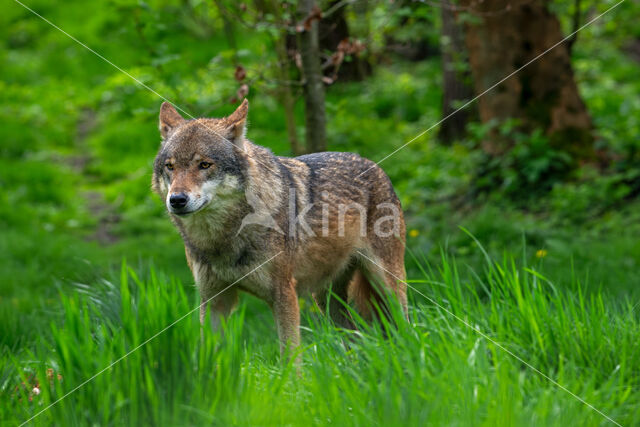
[
  {"x": 240, "y": 73},
  {"x": 243, "y": 91}
]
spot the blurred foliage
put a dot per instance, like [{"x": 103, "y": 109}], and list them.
[
  {"x": 77, "y": 140},
  {"x": 528, "y": 169},
  {"x": 79, "y": 135}
]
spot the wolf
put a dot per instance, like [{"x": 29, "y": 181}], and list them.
[{"x": 330, "y": 223}]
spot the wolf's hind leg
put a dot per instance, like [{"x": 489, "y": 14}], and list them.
[
  {"x": 363, "y": 294},
  {"x": 336, "y": 306},
  {"x": 379, "y": 275}
]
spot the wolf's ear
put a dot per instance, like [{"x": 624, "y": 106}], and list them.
[
  {"x": 169, "y": 119},
  {"x": 237, "y": 124}
]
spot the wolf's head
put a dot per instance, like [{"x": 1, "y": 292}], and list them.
[{"x": 201, "y": 162}]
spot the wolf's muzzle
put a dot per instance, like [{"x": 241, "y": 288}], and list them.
[{"x": 178, "y": 200}]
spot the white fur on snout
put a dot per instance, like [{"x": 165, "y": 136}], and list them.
[
  {"x": 212, "y": 190},
  {"x": 195, "y": 202}
]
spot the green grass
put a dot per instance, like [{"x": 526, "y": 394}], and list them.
[{"x": 436, "y": 369}]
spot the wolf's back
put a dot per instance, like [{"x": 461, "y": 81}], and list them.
[{"x": 347, "y": 177}]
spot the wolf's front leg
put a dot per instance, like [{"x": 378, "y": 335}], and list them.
[
  {"x": 287, "y": 316},
  {"x": 220, "y": 304}
]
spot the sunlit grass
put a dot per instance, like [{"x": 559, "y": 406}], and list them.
[{"x": 434, "y": 369}]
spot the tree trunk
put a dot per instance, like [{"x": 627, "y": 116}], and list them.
[
  {"x": 315, "y": 120},
  {"x": 285, "y": 92},
  {"x": 456, "y": 85},
  {"x": 542, "y": 95},
  {"x": 332, "y": 30},
  {"x": 288, "y": 100}
]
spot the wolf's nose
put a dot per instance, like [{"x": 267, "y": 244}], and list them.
[{"x": 178, "y": 200}]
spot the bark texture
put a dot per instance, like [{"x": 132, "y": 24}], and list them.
[
  {"x": 315, "y": 120},
  {"x": 544, "y": 94},
  {"x": 285, "y": 92},
  {"x": 456, "y": 84}
]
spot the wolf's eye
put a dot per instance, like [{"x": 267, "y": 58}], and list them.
[
  {"x": 204, "y": 165},
  {"x": 169, "y": 166}
]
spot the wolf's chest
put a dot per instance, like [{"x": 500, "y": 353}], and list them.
[
  {"x": 234, "y": 263},
  {"x": 222, "y": 256}
]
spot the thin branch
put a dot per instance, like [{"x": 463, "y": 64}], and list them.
[
  {"x": 337, "y": 6},
  {"x": 575, "y": 25}
]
